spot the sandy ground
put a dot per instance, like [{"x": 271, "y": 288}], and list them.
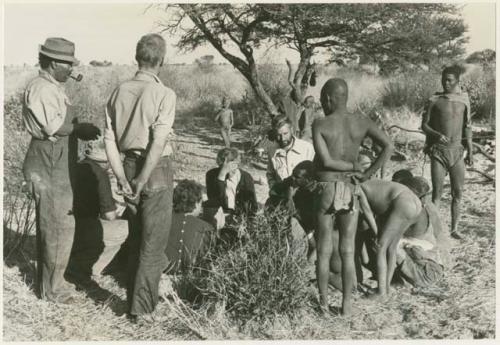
[{"x": 462, "y": 306}]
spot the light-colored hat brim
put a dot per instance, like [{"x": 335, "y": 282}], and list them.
[{"x": 60, "y": 57}]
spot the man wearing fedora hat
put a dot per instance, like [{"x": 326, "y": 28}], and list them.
[
  {"x": 139, "y": 117},
  {"x": 47, "y": 165}
]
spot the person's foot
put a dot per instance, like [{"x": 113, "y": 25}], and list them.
[
  {"x": 62, "y": 299},
  {"x": 456, "y": 235},
  {"x": 143, "y": 319}
]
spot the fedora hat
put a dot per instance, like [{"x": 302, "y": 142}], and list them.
[{"x": 59, "y": 49}]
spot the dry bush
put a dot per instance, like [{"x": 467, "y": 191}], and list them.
[{"x": 256, "y": 276}]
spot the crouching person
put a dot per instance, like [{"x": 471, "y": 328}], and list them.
[
  {"x": 100, "y": 230},
  {"x": 423, "y": 252}
]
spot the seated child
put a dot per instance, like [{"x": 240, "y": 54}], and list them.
[{"x": 98, "y": 209}]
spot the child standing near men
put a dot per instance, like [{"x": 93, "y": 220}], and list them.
[{"x": 226, "y": 121}]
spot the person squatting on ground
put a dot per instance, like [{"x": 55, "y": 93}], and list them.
[
  {"x": 229, "y": 186},
  {"x": 139, "y": 117},
  {"x": 286, "y": 152},
  {"x": 448, "y": 128},
  {"x": 424, "y": 250},
  {"x": 225, "y": 120},
  {"x": 337, "y": 138},
  {"x": 295, "y": 195},
  {"x": 49, "y": 159},
  {"x": 100, "y": 229}
]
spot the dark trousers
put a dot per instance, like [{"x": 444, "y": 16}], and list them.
[
  {"x": 46, "y": 170},
  {"x": 149, "y": 229}
]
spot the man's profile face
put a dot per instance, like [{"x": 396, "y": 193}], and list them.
[
  {"x": 449, "y": 82},
  {"x": 62, "y": 71},
  {"x": 284, "y": 135}
]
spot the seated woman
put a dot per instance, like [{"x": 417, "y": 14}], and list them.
[
  {"x": 189, "y": 235},
  {"x": 230, "y": 187}
]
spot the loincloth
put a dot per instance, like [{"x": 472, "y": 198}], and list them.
[
  {"x": 335, "y": 196},
  {"x": 446, "y": 155}
]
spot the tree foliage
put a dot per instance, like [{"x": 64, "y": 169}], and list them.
[{"x": 391, "y": 34}]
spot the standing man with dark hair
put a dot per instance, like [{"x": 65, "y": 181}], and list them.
[
  {"x": 448, "y": 127},
  {"x": 47, "y": 164},
  {"x": 337, "y": 138},
  {"x": 139, "y": 118}
]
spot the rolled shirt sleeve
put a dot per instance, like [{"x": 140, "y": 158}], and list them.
[
  {"x": 47, "y": 106},
  {"x": 163, "y": 123},
  {"x": 109, "y": 134}
]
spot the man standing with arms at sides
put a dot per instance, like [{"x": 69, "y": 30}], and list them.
[
  {"x": 139, "y": 117},
  {"x": 447, "y": 124},
  {"x": 47, "y": 165},
  {"x": 337, "y": 138}
]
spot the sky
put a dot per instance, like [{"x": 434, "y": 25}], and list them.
[{"x": 110, "y": 31}]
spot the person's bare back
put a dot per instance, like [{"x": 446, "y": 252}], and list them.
[{"x": 342, "y": 134}]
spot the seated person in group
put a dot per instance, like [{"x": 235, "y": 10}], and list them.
[
  {"x": 230, "y": 187},
  {"x": 98, "y": 209},
  {"x": 189, "y": 234},
  {"x": 295, "y": 195}
]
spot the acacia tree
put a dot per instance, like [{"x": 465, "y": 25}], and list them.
[{"x": 389, "y": 32}]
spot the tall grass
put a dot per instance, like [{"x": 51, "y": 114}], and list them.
[{"x": 258, "y": 276}]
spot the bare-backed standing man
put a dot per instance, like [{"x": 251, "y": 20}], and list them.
[
  {"x": 139, "y": 117},
  {"x": 447, "y": 124},
  {"x": 337, "y": 138}
]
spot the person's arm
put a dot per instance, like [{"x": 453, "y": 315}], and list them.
[
  {"x": 160, "y": 131},
  {"x": 113, "y": 154},
  {"x": 383, "y": 140},
  {"x": 231, "y": 118},
  {"x": 217, "y": 116},
  {"x": 367, "y": 211},
  {"x": 44, "y": 105},
  {"x": 270, "y": 173},
  {"x": 426, "y": 128},
  {"x": 107, "y": 207},
  {"x": 322, "y": 151},
  {"x": 467, "y": 135}
]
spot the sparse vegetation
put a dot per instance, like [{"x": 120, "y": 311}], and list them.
[{"x": 256, "y": 290}]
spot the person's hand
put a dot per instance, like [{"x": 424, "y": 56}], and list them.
[
  {"x": 469, "y": 159},
  {"x": 443, "y": 139},
  {"x": 219, "y": 219},
  {"x": 226, "y": 168},
  {"x": 86, "y": 131},
  {"x": 357, "y": 166},
  {"x": 137, "y": 187},
  {"x": 358, "y": 177},
  {"x": 124, "y": 188}
]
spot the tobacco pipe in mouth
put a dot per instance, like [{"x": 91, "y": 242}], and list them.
[{"x": 77, "y": 77}]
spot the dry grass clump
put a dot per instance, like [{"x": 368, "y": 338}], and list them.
[{"x": 254, "y": 276}]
